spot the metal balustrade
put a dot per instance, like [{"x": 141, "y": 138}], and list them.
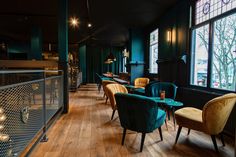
[{"x": 27, "y": 106}]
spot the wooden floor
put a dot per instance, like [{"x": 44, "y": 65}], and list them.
[{"x": 87, "y": 131}]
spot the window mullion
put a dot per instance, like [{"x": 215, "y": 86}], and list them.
[{"x": 210, "y": 53}]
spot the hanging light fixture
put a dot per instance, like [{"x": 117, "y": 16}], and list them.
[
  {"x": 74, "y": 22},
  {"x": 110, "y": 58}
]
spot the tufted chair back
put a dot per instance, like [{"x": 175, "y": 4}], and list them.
[
  {"x": 153, "y": 89},
  {"x": 141, "y": 82},
  {"x": 105, "y": 83},
  {"x": 112, "y": 89}
]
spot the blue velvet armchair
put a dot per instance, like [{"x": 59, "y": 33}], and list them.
[{"x": 139, "y": 113}]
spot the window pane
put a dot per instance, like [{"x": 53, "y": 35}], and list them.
[
  {"x": 224, "y": 54},
  {"x": 154, "y": 37},
  {"x": 199, "y": 61},
  {"x": 153, "y": 56}
]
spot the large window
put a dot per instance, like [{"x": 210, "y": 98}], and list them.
[
  {"x": 213, "y": 62},
  {"x": 153, "y": 56}
]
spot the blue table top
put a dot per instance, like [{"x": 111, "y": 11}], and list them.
[{"x": 167, "y": 101}]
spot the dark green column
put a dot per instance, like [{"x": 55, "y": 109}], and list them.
[
  {"x": 36, "y": 44},
  {"x": 137, "y": 50},
  {"x": 63, "y": 48}
]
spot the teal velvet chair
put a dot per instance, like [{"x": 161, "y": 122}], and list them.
[
  {"x": 139, "y": 113},
  {"x": 153, "y": 90}
]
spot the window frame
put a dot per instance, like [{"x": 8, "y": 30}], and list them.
[
  {"x": 149, "y": 48},
  {"x": 193, "y": 27}
]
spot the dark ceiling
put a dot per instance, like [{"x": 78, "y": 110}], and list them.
[{"x": 111, "y": 19}]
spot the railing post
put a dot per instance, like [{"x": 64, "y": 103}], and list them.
[{"x": 45, "y": 138}]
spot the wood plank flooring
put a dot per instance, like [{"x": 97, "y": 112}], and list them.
[{"x": 86, "y": 131}]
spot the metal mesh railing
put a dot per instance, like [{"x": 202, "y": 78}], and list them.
[{"x": 25, "y": 109}]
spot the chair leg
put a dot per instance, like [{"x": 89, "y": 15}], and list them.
[
  {"x": 160, "y": 132},
  {"x": 142, "y": 141},
  {"x": 166, "y": 125},
  {"x": 178, "y": 133},
  {"x": 222, "y": 139},
  {"x": 168, "y": 113},
  {"x": 106, "y": 100},
  {"x": 113, "y": 114},
  {"x": 104, "y": 95},
  {"x": 173, "y": 115},
  {"x": 189, "y": 131},
  {"x": 123, "y": 137},
  {"x": 213, "y": 138},
  {"x": 99, "y": 88}
]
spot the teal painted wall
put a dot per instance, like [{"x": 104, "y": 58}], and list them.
[
  {"x": 82, "y": 62},
  {"x": 18, "y": 50},
  {"x": 36, "y": 44},
  {"x": 177, "y": 20},
  {"x": 137, "y": 45}
]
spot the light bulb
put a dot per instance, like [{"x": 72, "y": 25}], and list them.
[
  {"x": 1, "y": 110},
  {"x": 1, "y": 127},
  {"x": 4, "y": 137},
  {"x": 89, "y": 25},
  {"x": 74, "y": 22},
  {"x": 2, "y": 117}
]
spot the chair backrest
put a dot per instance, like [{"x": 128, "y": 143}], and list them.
[
  {"x": 112, "y": 89},
  {"x": 141, "y": 82},
  {"x": 105, "y": 83},
  {"x": 217, "y": 111},
  {"x": 136, "y": 112},
  {"x": 153, "y": 89}
]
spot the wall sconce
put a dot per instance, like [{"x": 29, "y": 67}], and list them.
[{"x": 169, "y": 36}]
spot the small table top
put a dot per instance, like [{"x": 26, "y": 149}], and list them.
[
  {"x": 110, "y": 75},
  {"x": 167, "y": 101},
  {"x": 120, "y": 81},
  {"x": 133, "y": 87}
]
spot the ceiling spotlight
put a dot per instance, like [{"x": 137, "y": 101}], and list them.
[
  {"x": 89, "y": 25},
  {"x": 74, "y": 22}
]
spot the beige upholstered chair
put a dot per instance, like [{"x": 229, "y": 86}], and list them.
[
  {"x": 141, "y": 82},
  {"x": 112, "y": 89},
  {"x": 104, "y": 84},
  {"x": 211, "y": 120}
]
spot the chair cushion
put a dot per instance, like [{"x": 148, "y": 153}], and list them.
[
  {"x": 139, "y": 91},
  {"x": 161, "y": 116},
  {"x": 190, "y": 117}
]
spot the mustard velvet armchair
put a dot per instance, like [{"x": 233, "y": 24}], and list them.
[
  {"x": 141, "y": 82},
  {"x": 112, "y": 89},
  {"x": 104, "y": 84},
  {"x": 211, "y": 120}
]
